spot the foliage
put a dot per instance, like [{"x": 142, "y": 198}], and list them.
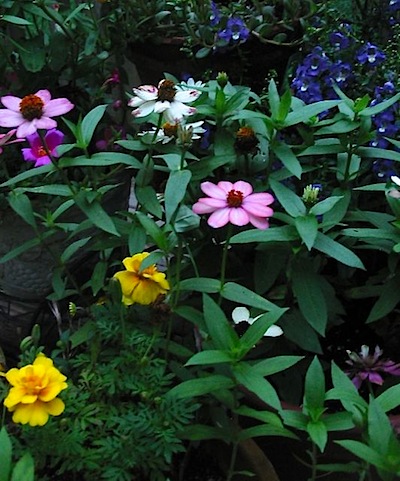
[{"x": 276, "y": 202}]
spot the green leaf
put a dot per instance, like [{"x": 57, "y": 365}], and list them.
[
  {"x": 26, "y": 246},
  {"x": 273, "y": 99},
  {"x": 285, "y": 233},
  {"x": 256, "y": 331},
  {"x": 22, "y": 205},
  {"x": 292, "y": 204},
  {"x": 337, "y": 251},
  {"x": 175, "y": 191},
  {"x": 241, "y": 295},
  {"x": 295, "y": 419},
  {"x": 338, "y": 421},
  {"x": 222, "y": 333},
  {"x": 200, "y": 284},
  {"x": 15, "y": 20},
  {"x": 380, "y": 107},
  {"x": 265, "y": 430},
  {"x": 147, "y": 197},
  {"x": 256, "y": 384},
  {"x": 288, "y": 158},
  {"x": 70, "y": 250},
  {"x": 201, "y": 432},
  {"x": 314, "y": 389},
  {"x": 307, "y": 288},
  {"x": 390, "y": 398},
  {"x": 325, "y": 205},
  {"x": 95, "y": 213},
  {"x": 272, "y": 365},
  {"x": 380, "y": 431},
  {"x": 306, "y": 112},
  {"x": 387, "y": 301},
  {"x": 200, "y": 386},
  {"x": 24, "y": 469},
  {"x": 152, "y": 229},
  {"x": 307, "y": 227},
  {"x": 364, "y": 452},
  {"x": 5, "y": 455},
  {"x": 318, "y": 434},
  {"x": 210, "y": 356},
  {"x": 89, "y": 124}
]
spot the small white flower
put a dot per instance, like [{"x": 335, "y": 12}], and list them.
[
  {"x": 393, "y": 192},
  {"x": 166, "y": 99},
  {"x": 242, "y": 314},
  {"x": 169, "y": 131},
  {"x": 190, "y": 84}
]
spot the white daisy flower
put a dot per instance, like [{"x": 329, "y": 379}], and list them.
[
  {"x": 170, "y": 131},
  {"x": 242, "y": 314},
  {"x": 166, "y": 99}
]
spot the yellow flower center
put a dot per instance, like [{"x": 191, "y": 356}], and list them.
[
  {"x": 170, "y": 130},
  {"x": 31, "y": 107},
  {"x": 234, "y": 198},
  {"x": 33, "y": 384},
  {"x": 166, "y": 90}
]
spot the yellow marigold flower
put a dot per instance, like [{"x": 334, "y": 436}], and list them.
[
  {"x": 33, "y": 396},
  {"x": 140, "y": 286}
]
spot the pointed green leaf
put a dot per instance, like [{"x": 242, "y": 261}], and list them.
[
  {"x": 200, "y": 284},
  {"x": 307, "y": 227},
  {"x": 337, "y": 251},
  {"x": 200, "y": 386},
  {"x": 89, "y": 124},
  {"x": 318, "y": 434},
  {"x": 272, "y": 365},
  {"x": 387, "y": 301},
  {"x": 175, "y": 191},
  {"x": 24, "y": 469},
  {"x": 288, "y": 158},
  {"x": 241, "y": 295},
  {"x": 96, "y": 214},
  {"x": 5, "y": 455},
  {"x": 222, "y": 332},
  {"x": 22, "y": 205},
  {"x": 210, "y": 356},
  {"x": 292, "y": 204},
  {"x": 314, "y": 389}
]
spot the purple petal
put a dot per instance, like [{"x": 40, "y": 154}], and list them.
[
  {"x": 44, "y": 95},
  {"x": 28, "y": 155},
  {"x": 26, "y": 128},
  {"x": 45, "y": 123},
  {"x": 260, "y": 198},
  {"x": 257, "y": 209},
  {"x": 375, "y": 378},
  {"x": 259, "y": 222}
]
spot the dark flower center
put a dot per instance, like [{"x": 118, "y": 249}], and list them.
[
  {"x": 31, "y": 107},
  {"x": 234, "y": 198},
  {"x": 166, "y": 90},
  {"x": 246, "y": 140}
]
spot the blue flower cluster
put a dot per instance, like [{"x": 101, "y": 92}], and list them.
[{"x": 232, "y": 30}]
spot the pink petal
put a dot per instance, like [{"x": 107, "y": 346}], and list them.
[
  {"x": 43, "y": 160},
  {"x": 212, "y": 202},
  {"x": 258, "y": 210},
  {"x": 26, "y": 128},
  {"x": 9, "y": 118},
  {"x": 261, "y": 198},
  {"x": 238, "y": 216},
  {"x": 244, "y": 187},
  {"x": 226, "y": 186},
  {"x": 213, "y": 190},
  {"x": 202, "y": 208},
  {"x": 44, "y": 95},
  {"x": 219, "y": 218},
  {"x": 53, "y": 139},
  {"x": 45, "y": 123},
  {"x": 259, "y": 222},
  {"x": 11, "y": 102},
  {"x": 57, "y": 107},
  {"x": 28, "y": 155}
]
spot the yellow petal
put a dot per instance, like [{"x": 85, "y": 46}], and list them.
[
  {"x": 14, "y": 396},
  {"x": 52, "y": 390},
  {"x": 55, "y": 407},
  {"x": 133, "y": 263},
  {"x": 33, "y": 414},
  {"x": 42, "y": 360},
  {"x": 146, "y": 292},
  {"x": 128, "y": 281}
]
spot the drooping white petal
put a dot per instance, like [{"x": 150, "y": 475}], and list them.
[{"x": 240, "y": 314}]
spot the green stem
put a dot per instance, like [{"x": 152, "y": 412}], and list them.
[
  {"x": 225, "y": 255},
  {"x": 313, "y": 456}
]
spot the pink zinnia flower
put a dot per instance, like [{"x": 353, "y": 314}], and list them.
[
  {"x": 234, "y": 203},
  {"x": 5, "y": 139},
  {"x": 37, "y": 151},
  {"x": 32, "y": 112}
]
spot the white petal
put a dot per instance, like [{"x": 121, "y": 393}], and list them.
[
  {"x": 146, "y": 92},
  {"x": 240, "y": 314},
  {"x": 395, "y": 179},
  {"x": 187, "y": 96},
  {"x": 273, "y": 331}
]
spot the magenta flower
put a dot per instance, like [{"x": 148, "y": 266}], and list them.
[
  {"x": 32, "y": 112},
  {"x": 234, "y": 203},
  {"x": 38, "y": 152},
  {"x": 5, "y": 139},
  {"x": 366, "y": 366}
]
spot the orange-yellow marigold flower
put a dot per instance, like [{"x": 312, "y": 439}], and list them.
[
  {"x": 140, "y": 286},
  {"x": 33, "y": 396}
]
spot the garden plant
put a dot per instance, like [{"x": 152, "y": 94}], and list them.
[{"x": 246, "y": 287}]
